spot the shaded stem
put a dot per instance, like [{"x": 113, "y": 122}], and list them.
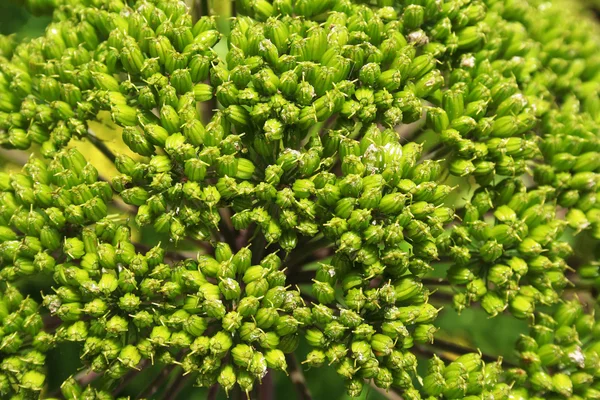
[
  {"x": 442, "y": 297},
  {"x": 51, "y": 322},
  {"x": 581, "y": 285},
  {"x": 309, "y": 299},
  {"x": 176, "y": 387},
  {"x": 258, "y": 246},
  {"x": 265, "y": 390},
  {"x": 389, "y": 394},
  {"x": 426, "y": 352},
  {"x": 437, "y": 151},
  {"x": 128, "y": 378},
  {"x": 435, "y": 282},
  {"x": 100, "y": 145},
  {"x": 18, "y": 157},
  {"x": 86, "y": 378},
  {"x": 226, "y": 229},
  {"x": 294, "y": 261},
  {"x": 300, "y": 277},
  {"x": 412, "y": 131},
  {"x": 157, "y": 383},
  {"x": 195, "y": 9},
  {"x": 236, "y": 393},
  {"x": 297, "y": 377},
  {"x": 212, "y": 392},
  {"x": 83, "y": 378}
]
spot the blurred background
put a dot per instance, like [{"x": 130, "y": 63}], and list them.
[{"x": 473, "y": 328}]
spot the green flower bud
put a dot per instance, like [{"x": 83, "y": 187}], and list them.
[
  {"x": 541, "y": 381},
  {"x": 424, "y": 333},
  {"x": 382, "y": 344},
  {"x": 227, "y": 378},
  {"x": 568, "y": 312},
  {"x": 70, "y": 389},
  {"x": 286, "y": 325},
  {"x": 130, "y": 356},
  {"x": 276, "y": 360}
]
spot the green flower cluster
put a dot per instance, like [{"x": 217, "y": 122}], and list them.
[
  {"x": 335, "y": 131},
  {"x": 559, "y": 357},
  {"x": 24, "y": 344},
  {"x": 467, "y": 377},
  {"x": 124, "y": 305}
]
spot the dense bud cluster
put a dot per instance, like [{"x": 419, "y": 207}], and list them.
[
  {"x": 467, "y": 377},
  {"x": 382, "y": 144},
  {"x": 559, "y": 357}
]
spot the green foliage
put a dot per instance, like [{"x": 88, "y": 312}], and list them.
[{"x": 313, "y": 184}]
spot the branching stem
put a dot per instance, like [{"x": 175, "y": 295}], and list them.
[
  {"x": 157, "y": 383},
  {"x": 176, "y": 387},
  {"x": 295, "y": 260}
]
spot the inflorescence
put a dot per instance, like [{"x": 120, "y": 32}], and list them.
[{"x": 382, "y": 142}]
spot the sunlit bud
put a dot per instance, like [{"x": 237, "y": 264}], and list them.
[
  {"x": 541, "y": 381},
  {"x": 70, "y": 389}
]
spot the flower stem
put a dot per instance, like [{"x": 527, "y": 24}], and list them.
[
  {"x": 100, "y": 145},
  {"x": 389, "y": 394},
  {"x": 435, "y": 282},
  {"x": 212, "y": 392},
  {"x": 297, "y": 377},
  {"x": 157, "y": 383},
  {"x": 176, "y": 387},
  {"x": 295, "y": 260},
  {"x": 301, "y": 277},
  {"x": 128, "y": 378},
  {"x": 226, "y": 230},
  {"x": 265, "y": 390}
]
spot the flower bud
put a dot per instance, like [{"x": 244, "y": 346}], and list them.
[{"x": 169, "y": 119}]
